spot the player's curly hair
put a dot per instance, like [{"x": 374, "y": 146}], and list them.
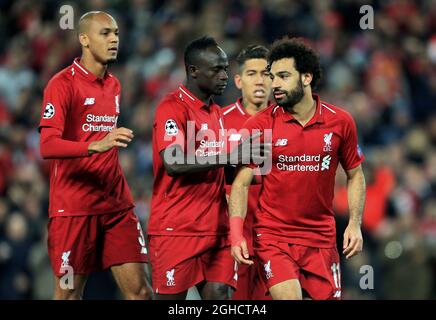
[{"x": 306, "y": 59}]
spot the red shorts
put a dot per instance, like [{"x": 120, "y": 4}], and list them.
[
  {"x": 96, "y": 242},
  {"x": 316, "y": 269},
  {"x": 179, "y": 262},
  {"x": 250, "y": 285}
]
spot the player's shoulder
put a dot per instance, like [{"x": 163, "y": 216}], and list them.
[
  {"x": 231, "y": 108},
  {"x": 171, "y": 99},
  {"x": 332, "y": 111},
  {"x": 114, "y": 78},
  {"x": 61, "y": 79},
  {"x": 268, "y": 113},
  {"x": 263, "y": 117},
  {"x": 171, "y": 102}
]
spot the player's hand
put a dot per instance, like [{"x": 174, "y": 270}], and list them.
[
  {"x": 251, "y": 150},
  {"x": 240, "y": 252},
  {"x": 353, "y": 241},
  {"x": 118, "y": 137}
]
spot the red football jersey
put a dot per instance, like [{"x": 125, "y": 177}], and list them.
[
  {"x": 234, "y": 118},
  {"x": 85, "y": 108},
  {"x": 191, "y": 204},
  {"x": 295, "y": 204}
]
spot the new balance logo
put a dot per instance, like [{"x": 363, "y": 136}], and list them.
[
  {"x": 89, "y": 101},
  {"x": 337, "y": 294},
  {"x": 281, "y": 142},
  {"x": 325, "y": 165},
  {"x": 235, "y": 137},
  {"x": 170, "y": 278}
]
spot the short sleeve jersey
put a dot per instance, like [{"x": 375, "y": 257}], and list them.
[
  {"x": 84, "y": 108},
  {"x": 295, "y": 204},
  {"x": 190, "y": 204}
]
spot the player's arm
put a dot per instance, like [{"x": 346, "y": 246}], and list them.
[
  {"x": 52, "y": 146},
  {"x": 230, "y": 173},
  {"x": 238, "y": 210},
  {"x": 353, "y": 241},
  {"x": 177, "y": 162}
]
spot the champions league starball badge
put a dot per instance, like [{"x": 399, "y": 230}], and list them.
[{"x": 49, "y": 111}]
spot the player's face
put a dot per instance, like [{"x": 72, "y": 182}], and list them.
[
  {"x": 254, "y": 81},
  {"x": 103, "y": 38},
  {"x": 211, "y": 73},
  {"x": 287, "y": 84}
]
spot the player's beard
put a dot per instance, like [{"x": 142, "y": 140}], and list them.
[
  {"x": 293, "y": 97},
  {"x": 104, "y": 60}
]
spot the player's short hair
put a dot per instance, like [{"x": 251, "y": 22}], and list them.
[
  {"x": 306, "y": 59},
  {"x": 253, "y": 51},
  {"x": 87, "y": 17},
  {"x": 195, "y": 47}
]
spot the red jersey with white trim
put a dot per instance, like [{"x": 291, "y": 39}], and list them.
[
  {"x": 234, "y": 118},
  {"x": 85, "y": 108},
  {"x": 191, "y": 204},
  {"x": 295, "y": 204}
]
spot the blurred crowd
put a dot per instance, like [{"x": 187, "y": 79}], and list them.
[{"x": 386, "y": 78}]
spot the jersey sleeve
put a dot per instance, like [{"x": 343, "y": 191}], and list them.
[
  {"x": 350, "y": 154},
  {"x": 56, "y": 101},
  {"x": 52, "y": 146},
  {"x": 169, "y": 126}
]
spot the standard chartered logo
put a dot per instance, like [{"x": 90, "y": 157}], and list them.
[
  {"x": 303, "y": 163},
  {"x": 92, "y": 119},
  {"x": 326, "y": 163}
]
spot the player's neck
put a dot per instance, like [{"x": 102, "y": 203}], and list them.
[
  {"x": 304, "y": 110},
  {"x": 252, "y": 108},
  {"x": 198, "y": 93},
  {"x": 98, "y": 69}
]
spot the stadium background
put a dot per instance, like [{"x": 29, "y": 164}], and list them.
[{"x": 385, "y": 77}]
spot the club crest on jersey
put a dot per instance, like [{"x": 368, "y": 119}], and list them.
[
  {"x": 117, "y": 103},
  {"x": 204, "y": 126},
  {"x": 171, "y": 128},
  {"x": 170, "y": 278},
  {"x": 328, "y": 142},
  {"x": 49, "y": 111},
  {"x": 89, "y": 101}
]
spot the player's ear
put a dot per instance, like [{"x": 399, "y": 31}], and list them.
[
  {"x": 307, "y": 79},
  {"x": 193, "y": 70},
  {"x": 84, "y": 40},
  {"x": 238, "y": 81}
]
